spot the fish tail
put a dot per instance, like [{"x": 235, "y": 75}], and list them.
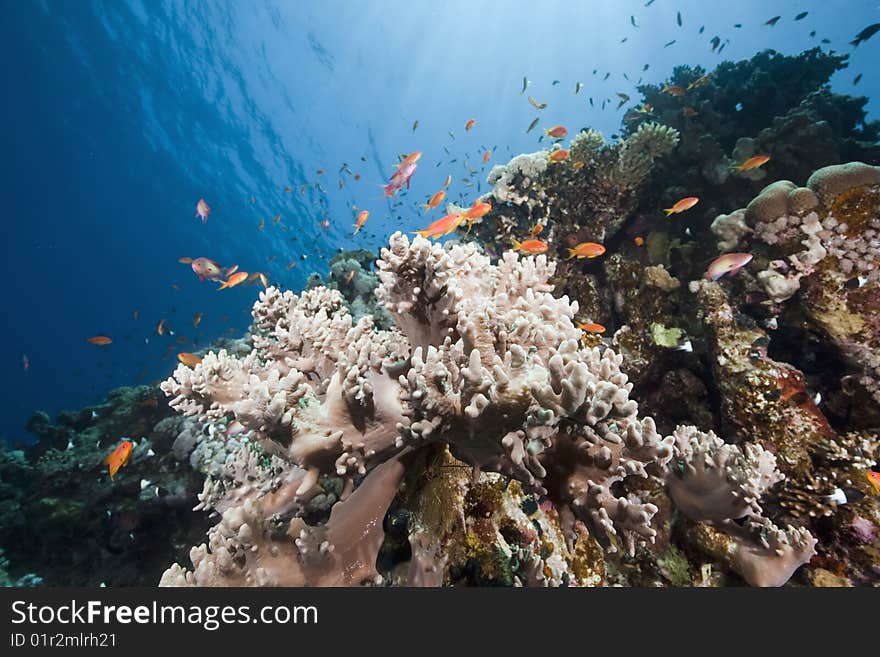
[
  {"x": 516, "y": 244},
  {"x": 669, "y": 211}
]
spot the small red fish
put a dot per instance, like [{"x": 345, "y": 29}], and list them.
[
  {"x": 100, "y": 340},
  {"x": 591, "y": 327},
  {"x": 729, "y": 263},
  {"x": 753, "y": 163},
  {"x": 434, "y": 201},
  {"x": 486, "y": 156},
  {"x": 119, "y": 457},
  {"x": 361, "y": 220},
  {"x": 160, "y": 327},
  {"x": 639, "y": 240},
  {"x": 673, "y": 90},
  {"x": 447, "y": 181},
  {"x": 577, "y": 165},
  {"x": 586, "y": 250},
  {"x": 557, "y": 132},
  {"x": 197, "y": 319},
  {"x": 442, "y": 226},
  {"x": 478, "y": 210},
  {"x": 874, "y": 480},
  {"x": 184, "y": 260},
  {"x": 682, "y": 205},
  {"x": 536, "y": 230},
  {"x": 470, "y": 124},
  {"x": 559, "y": 155},
  {"x": 688, "y": 112},
  {"x": 530, "y": 246},
  {"x": 188, "y": 359},
  {"x": 235, "y": 279},
  {"x": 203, "y": 210}
]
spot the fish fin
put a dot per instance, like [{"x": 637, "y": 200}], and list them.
[
  {"x": 734, "y": 272},
  {"x": 571, "y": 254},
  {"x": 669, "y": 211}
]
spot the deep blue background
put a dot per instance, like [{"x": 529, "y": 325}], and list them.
[{"x": 118, "y": 116}]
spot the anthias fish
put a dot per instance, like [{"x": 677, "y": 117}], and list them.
[
  {"x": 729, "y": 263},
  {"x": 188, "y": 359},
  {"x": 682, "y": 205},
  {"x": 235, "y": 279},
  {"x": 205, "y": 268},
  {"x": 442, "y": 226},
  {"x": 119, "y": 457},
  {"x": 586, "y": 250},
  {"x": 530, "y": 246},
  {"x": 361, "y": 220},
  {"x": 203, "y": 210},
  {"x": 753, "y": 163}
]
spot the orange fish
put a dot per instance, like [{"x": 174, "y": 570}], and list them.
[
  {"x": 412, "y": 158},
  {"x": 682, "y": 205},
  {"x": 557, "y": 132},
  {"x": 673, "y": 90},
  {"x": 536, "y": 230},
  {"x": 291, "y": 264},
  {"x": 234, "y": 280},
  {"x": 689, "y": 112},
  {"x": 357, "y": 176},
  {"x": 197, "y": 319},
  {"x": 559, "y": 155},
  {"x": 100, "y": 340},
  {"x": 591, "y": 327},
  {"x": 135, "y": 314},
  {"x": 639, "y": 240},
  {"x": 276, "y": 219},
  {"x": 361, "y": 220},
  {"x": 448, "y": 180},
  {"x": 530, "y": 246},
  {"x": 231, "y": 270},
  {"x": 586, "y": 250},
  {"x": 435, "y": 200},
  {"x": 442, "y": 226},
  {"x": 188, "y": 359},
  {"x": 753, "y": 163},
  {"x": 350, "y": 277},
  {"x": 470, "y": 124},
  {"x": 203, "y": 210},
  {"x": 119, "y": 457},
  {"x": 478, "y": 210},
  {"x": 577, "y": 165},
  {"x": 874, "y": 480},
  {"x": 486, "y": 156},
  {"x": 160, "y": 327},
  {"x": 263, "y": 280},
  {"x": 184, "y": 260}
]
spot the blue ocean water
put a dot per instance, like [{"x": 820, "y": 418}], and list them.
[{"x": 119, "y": 116}]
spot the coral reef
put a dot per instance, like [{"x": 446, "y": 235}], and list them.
[
  {"x": 496, "y": 447},
  {"x": 64, "y": 519}
]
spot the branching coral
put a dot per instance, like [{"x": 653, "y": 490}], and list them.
[{"x": 485, "y": 362}]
